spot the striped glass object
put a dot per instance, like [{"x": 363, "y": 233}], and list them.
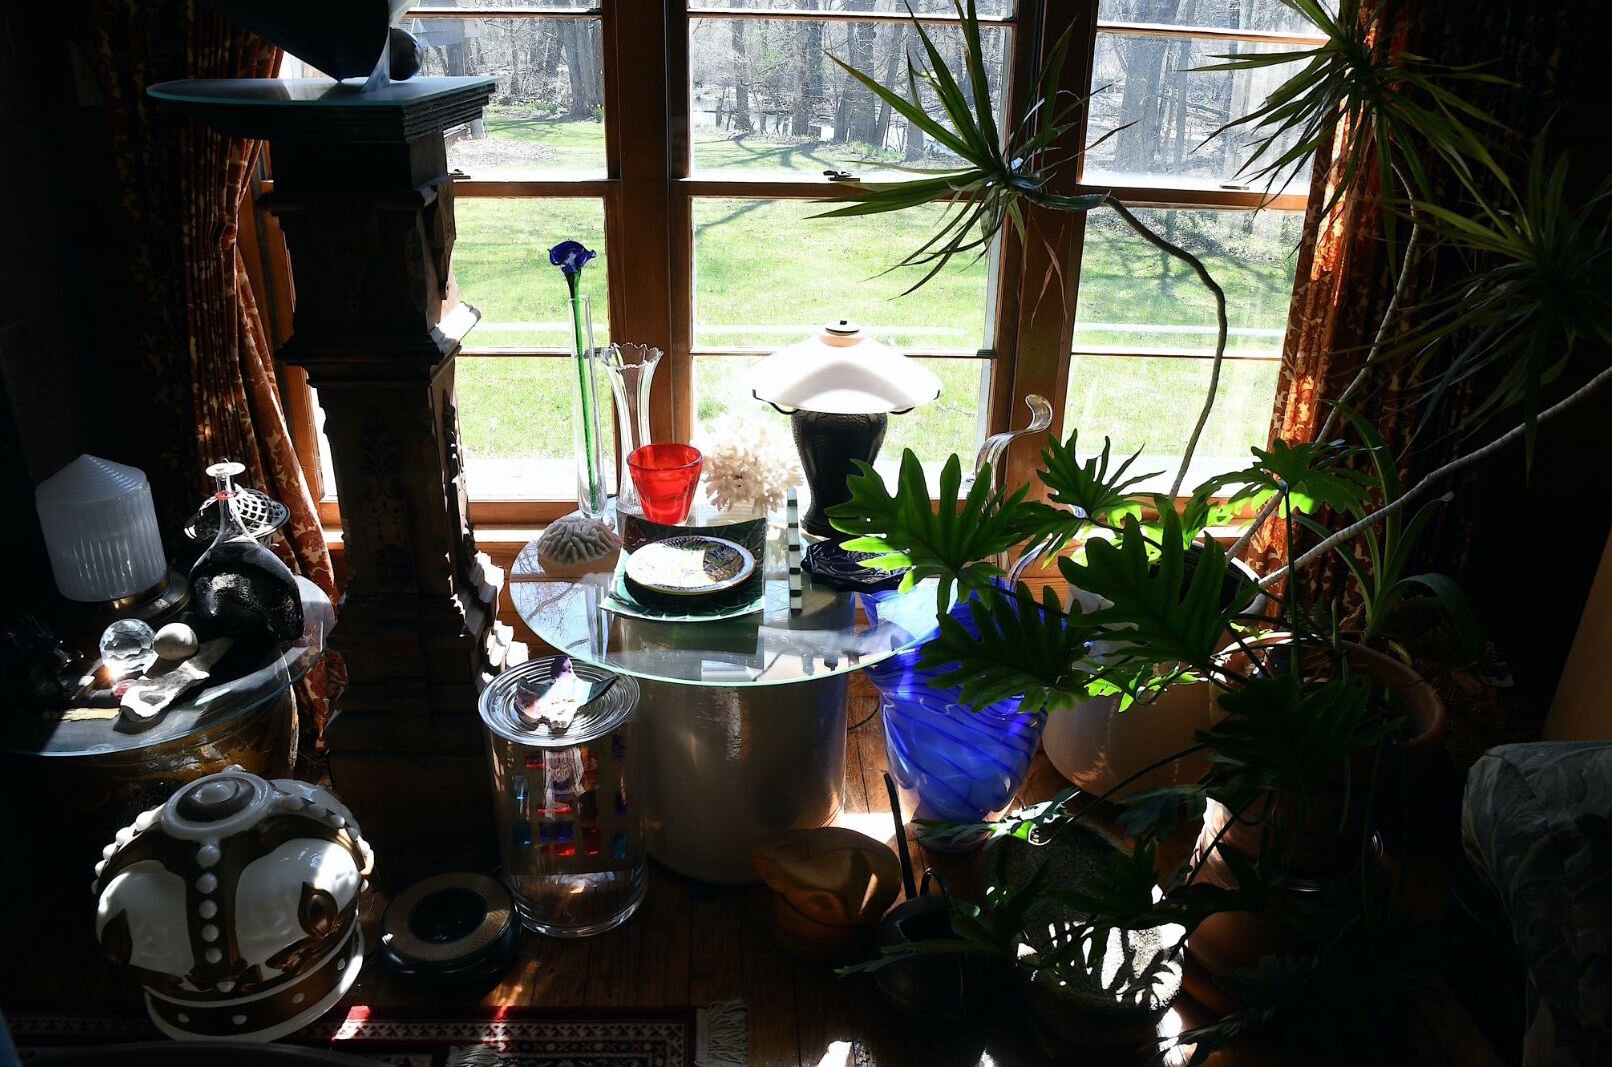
[{"x": 100, "y": 529}]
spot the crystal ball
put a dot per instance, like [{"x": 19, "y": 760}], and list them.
[{"x": 126, "y": 647}]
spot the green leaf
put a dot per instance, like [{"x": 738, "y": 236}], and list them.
[
  {"x": 1165, "y": 616},
  {"x": 1022, "y": 648},
  {"x": 954, "y": 540}
]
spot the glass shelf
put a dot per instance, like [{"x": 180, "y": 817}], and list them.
[
  {"x": 54, "y": 736},
  {"x": 835, "y": 633}
]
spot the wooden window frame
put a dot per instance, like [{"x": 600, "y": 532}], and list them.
[{"x": 649, "y": 190}]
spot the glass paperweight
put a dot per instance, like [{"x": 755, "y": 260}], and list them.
[
  {"x": 240, "y": 588},
  {"x": 126, "y": 647}
]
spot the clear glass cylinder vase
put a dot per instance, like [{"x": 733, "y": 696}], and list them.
[
  {"x": 631, "y": 369},
  {"x": 586, "y": 435}
]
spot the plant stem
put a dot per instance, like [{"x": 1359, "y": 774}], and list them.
[
  {"x": 595, "y": 484},
  {"x": 1220, "y": 319},
  {"x": 1427, "y": 482}
]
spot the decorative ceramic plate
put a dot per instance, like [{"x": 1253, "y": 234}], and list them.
[
  {"x": 686, "y": 569},
  {"x": 840, "y": 569}
]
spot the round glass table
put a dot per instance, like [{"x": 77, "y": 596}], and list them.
[
  {"x": 97, "y": 774},
  {"x": 744, "y": 717}
]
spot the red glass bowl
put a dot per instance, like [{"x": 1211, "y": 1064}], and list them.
[{"x": 666, "y": 475}]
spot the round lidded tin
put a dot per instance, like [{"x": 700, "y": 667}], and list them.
[{"x": 568, "y": 794}]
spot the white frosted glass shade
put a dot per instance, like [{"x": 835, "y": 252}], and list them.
[
  {"x": 843, "y": 371},
  {"x": 101, "y": 530}
]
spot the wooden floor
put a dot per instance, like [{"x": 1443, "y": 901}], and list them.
[{"x": 695, "y": 944}]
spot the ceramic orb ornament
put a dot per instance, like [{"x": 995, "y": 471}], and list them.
[{"x": 237, "y": 904}]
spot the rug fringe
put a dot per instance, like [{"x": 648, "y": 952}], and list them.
[
  {"x": 474, "y": 1056},
  {"x": 720, "y": 1039}
]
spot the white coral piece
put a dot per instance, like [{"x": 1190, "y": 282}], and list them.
[{"x": 748, "y": 464}]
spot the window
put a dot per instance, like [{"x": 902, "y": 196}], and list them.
[
  {"x": 688, "y": 145},
  {"x": 1144, "y": 328}
]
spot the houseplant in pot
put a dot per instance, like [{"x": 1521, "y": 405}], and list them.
[{"x": 1316, "y": 734}]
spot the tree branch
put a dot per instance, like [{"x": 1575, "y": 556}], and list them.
[{"x": 1426, "y": 483}]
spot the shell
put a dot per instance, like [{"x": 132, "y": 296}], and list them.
[
  {"x": 175, "y": 642},
  {"x": 576, "y": 545}
]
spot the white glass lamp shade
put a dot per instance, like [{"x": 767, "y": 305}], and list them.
[
  {"x": 101, "y": 530},
  {"x": 842, "y": 371}
]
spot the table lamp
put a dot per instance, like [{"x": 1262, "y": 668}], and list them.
[{"x": 839, "y": 389}]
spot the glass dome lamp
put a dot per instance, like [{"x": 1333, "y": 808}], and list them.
[{"x": 839, "y": 388}]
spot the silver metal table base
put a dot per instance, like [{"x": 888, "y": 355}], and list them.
[{"x": 731, "y": 764}]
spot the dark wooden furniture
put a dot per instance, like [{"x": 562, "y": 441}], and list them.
[{"x": 363, "y": 194}]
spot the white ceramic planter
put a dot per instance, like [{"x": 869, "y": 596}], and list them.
[{"x": 1097, "y": 747}]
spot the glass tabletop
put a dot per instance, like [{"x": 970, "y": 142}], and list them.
[
  {"x": 834, "y": 633},
  {"x": 70, "y": 734}
]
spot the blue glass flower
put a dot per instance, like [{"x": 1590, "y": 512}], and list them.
[{"x": 571, "y": 257}]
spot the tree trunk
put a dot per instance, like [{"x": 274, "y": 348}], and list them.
[
  {"x": 892, "y": 70},
  {"x": 1136, "y": 146},
  {"x": 808, "y": 73},
  {"x": 915, "y": 136},
  {"x": 741, "y": 78},
  {"x": 579, "y": 42}
]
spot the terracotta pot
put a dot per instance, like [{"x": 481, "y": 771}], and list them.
[{"x": 1324, "y": 842}]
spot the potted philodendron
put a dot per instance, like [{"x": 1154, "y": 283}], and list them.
[{"x": 1289, "y": 914}]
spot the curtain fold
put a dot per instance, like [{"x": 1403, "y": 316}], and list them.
[{"x": 205, "y": 374}]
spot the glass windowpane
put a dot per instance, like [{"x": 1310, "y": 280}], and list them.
[
  {"x": 515, "y": 427},
  {"x": 986, "y": 8},
  {"x": 767, "y": 275},
  {"x": 1136, "y": 299},
  {"x": 1271, "y": 16},
  {"x": 1154, "y": 114},
  {"x": 546, "y": 117},
  {"x": 1152, "y": 403},
  {"x": 765, "y": 97},
  {"x": 501, "y": 265}
]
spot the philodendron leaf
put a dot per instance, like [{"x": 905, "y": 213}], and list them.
[
  {"x": 1017, "y": 647},
  {"x": 1091, "y": 492},
  {"x": 1163, "y": 615},
  {"x": 1311, "y": 473},
  {"x": 953, "y": 540}
]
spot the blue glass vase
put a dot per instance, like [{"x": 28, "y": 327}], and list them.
[{"x": 952, "y": 763}]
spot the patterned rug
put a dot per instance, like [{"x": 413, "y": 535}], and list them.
[{"x": 460, "y": 1037}]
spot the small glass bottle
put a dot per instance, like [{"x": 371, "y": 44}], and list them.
[{"x": 239, "y": 587}]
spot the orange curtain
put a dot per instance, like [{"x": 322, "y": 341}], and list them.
[
  {"x": 1345, "y": 277},
  {"x": 202, "y": 349}
]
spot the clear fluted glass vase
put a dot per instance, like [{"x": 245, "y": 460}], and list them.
[
  {"x": 586, "y": 436},
  {"x": 631, "y": 369}
]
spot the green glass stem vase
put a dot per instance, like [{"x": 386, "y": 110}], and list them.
[{"x": 586, "y": 436}]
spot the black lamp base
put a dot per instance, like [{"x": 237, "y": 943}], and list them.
[{"x": 827, "y": 443}]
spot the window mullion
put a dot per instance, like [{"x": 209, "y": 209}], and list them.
[{"x": 1048, "y": 289}]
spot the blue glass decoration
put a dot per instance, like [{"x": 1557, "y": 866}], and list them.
[
  {"x": 952, "y": 763},
  {"x": 522, "y": 831}
]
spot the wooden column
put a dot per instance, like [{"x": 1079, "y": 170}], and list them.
[{"x": 363, "y": 195}]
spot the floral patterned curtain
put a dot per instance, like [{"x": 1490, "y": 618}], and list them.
[
  {"x": 1345, "y": 277},
  {"x": 201, "y": 357}
]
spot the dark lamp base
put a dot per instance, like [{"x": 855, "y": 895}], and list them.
[{"x": 828, "y": 443}]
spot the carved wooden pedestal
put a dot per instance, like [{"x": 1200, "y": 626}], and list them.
[{"x": 363, "y": 195}]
